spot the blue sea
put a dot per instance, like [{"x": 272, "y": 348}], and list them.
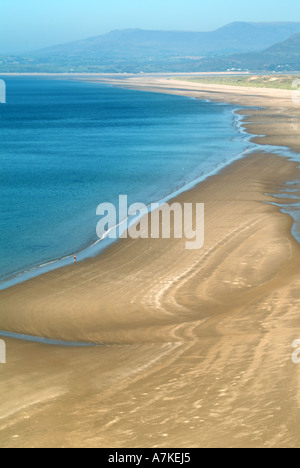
[{"x": 66, "y": 146}]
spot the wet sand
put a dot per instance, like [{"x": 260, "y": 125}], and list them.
[{"x": 194, "y": 347}]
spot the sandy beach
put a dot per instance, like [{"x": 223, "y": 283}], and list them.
[
  {"x": 188, "y": 348},
  {"x": 277, "y": 118}
]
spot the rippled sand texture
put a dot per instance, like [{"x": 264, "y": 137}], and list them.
[{"x": 196, "y": 344}]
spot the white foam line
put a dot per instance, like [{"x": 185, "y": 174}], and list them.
[{"x": 94, "y": 249}]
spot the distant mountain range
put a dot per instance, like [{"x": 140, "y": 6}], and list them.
[
  {"x": 252, "y": 46},
  {"x": 284, "y": 56}
]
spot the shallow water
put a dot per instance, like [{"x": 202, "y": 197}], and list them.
[{"x": 67, "y": 146}]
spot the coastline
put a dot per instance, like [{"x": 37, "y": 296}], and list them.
[
  {"x": 170, "y": 189},
  {"x": 162, "y": 85},
  {"x": 189, "y": 337},
  {"x": 272, "y": 105}
]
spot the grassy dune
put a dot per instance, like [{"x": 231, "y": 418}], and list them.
[{"x": 255, "y": 81}]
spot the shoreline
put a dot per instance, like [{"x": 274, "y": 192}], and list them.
[
  {"x": 99, "y": 246},
  {"x": 125, "y": 74},
  {"x": 43, "y": 282},
  {"x": 190, "y": 339},
  {"x": 270, "y": 104}
]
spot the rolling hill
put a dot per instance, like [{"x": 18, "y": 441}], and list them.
[
  {"x": 237, "y": 45},
  {"x": 233, "y": 38},
  {"x": 284, "y": 56}
]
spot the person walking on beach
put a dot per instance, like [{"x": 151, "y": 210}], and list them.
[{"x": 75, "y": 259}]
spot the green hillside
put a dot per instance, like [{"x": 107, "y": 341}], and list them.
[
  {"x": 253, "y": 81},
  {"x": 238, "y": 46}
]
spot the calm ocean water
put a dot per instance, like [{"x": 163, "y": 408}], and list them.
[{"x": 66, "y": 146}]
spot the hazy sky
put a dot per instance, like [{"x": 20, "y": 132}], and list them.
[{"x": 32, "y": 24}]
